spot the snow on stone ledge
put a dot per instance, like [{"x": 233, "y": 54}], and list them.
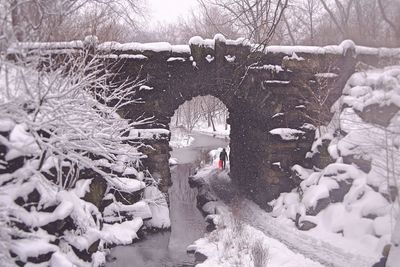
[
  {"x": 174, "y": 59},
  {"x": 287, "y": 133},
  {"x": 139, "y": 209},
  {"x": 326, "y": 75},
  {"x": 198, "y": 41},
  {"x": 230, "y": 58},
  {"x": 155, "y": 47},
  {"x": 294, "y": 56},
  {"x": 290, "y": 51},
  {"x": 272, "y": 68},
  {"x": 127, "y": 184},
  {"x": 139, "y": 56},
  {"x": 26, "y": 248},
  {"x": 16, "y": 47}
]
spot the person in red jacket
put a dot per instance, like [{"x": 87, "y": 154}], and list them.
[{"x": 223, "y": 156}]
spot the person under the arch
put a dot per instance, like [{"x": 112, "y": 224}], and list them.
[{"x": 223, "y": 157}]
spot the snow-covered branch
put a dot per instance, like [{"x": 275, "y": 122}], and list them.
[{"x": 72, "y": 115}]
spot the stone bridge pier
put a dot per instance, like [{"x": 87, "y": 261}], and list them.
[{"x": 276, "y": 97}]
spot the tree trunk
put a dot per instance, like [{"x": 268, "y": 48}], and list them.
[
  {"x": 213, "y": 126},
  {"x": 226, "y": 123},
  {"x": 177, "y": 118},
  {"x": 15, "y": 20}
]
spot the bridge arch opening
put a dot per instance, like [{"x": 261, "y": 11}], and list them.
[{"x": 200, "y": 123}]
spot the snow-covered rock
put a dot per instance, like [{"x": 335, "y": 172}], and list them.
[{"x": 350, "y": 194}]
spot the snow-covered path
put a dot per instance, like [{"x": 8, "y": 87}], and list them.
[{"x": 297, "y": 241}]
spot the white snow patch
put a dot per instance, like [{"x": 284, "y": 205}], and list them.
[
  {"x": 176, "y": 59},
  {"x": 294, "y": 56},
  {"x": 230, "y": 58},
  {"x": 159, "y": 208},
  {"x": 287, "y": 133},
  {"x": 121, "y": 233}
]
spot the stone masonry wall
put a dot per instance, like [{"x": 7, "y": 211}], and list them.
[{"x": 264, "y": 89}]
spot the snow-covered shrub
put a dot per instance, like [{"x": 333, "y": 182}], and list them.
[
  {"x": 356, "y": 195},
  {"x": 70, "y": 127},
  {"x": 65, "y": 156}
]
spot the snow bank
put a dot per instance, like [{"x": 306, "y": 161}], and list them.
[
  {"x": 159, "y": 208},
  {"x": 235, "y": 243},
  {"x": 353, "y": 198}
]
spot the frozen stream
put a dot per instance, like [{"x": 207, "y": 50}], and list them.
[{"x": 169, "y": 248}]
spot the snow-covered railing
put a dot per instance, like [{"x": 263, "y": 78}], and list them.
[
  {"x": 340, "y": 49},
  {"x": 231, "y": 47},
  {"x": 140, "y": 48}
]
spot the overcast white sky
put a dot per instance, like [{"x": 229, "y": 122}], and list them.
[{"x": 168, "y": 11}]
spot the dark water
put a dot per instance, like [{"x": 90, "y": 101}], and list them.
[{"x": 187, "y": 224}]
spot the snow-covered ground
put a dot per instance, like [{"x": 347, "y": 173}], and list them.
[
  {"x": 220, "y": 131},
  {"x": 283, "y": 243},
  {"x": 236, "y": 242},
  {"x": 180, "y": 137}
]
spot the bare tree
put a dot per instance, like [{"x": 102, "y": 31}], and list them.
[
  {"x": 45, "y": 20},
  {"x": 192, "y": 113},
  {"x": 390, "y": 14},
  {"x": 258, "y": 18},
  {"x": 304, "y": 19},
  {"x": 207, "y": 21},
  {"x": 339, "y": 14},
  {"x": 199, "y": 110},
  {"x": 212, "y": 108}
]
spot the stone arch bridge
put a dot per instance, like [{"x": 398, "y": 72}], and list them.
[{"x": 275, "y": 95}]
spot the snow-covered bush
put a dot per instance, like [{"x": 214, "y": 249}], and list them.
[
  {"x": 357, "y": 194},
  {"x": 69, "y": 126},
  {"x": 70, "y": 172}
]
